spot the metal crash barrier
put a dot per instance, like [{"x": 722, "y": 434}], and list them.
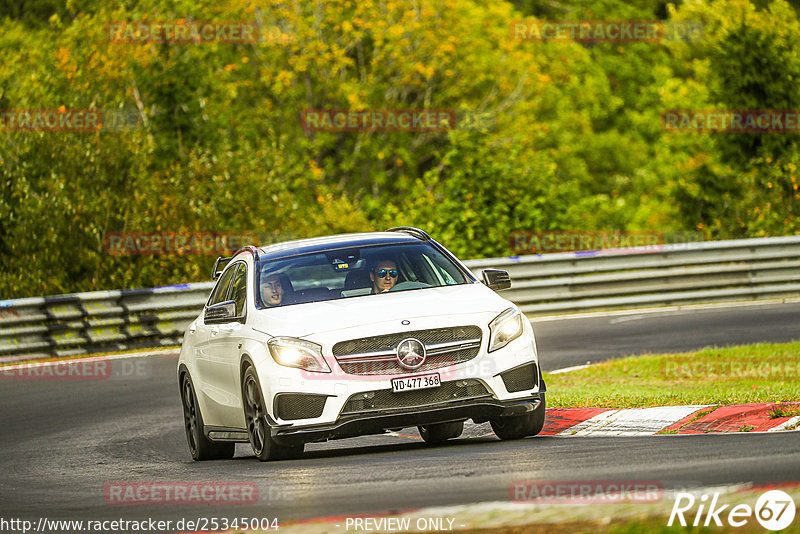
[{"x": 663, "y": 275}]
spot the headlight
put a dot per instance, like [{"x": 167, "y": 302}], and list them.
[
  {"x": 298, "y": 353},
  {"x": 505, "y": 328}
]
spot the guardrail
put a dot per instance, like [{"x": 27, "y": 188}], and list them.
[
  {"x": 740, "y": 270},
  {"x": 664, "y": 275},
  {"x": 63, "y": 325}
]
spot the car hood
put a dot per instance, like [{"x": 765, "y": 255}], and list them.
[{"x": 305, "y": 320}]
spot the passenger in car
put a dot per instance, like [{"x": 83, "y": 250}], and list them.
[
  {"x": 272, "y": 291},
  {"x": 383, "y": 275}
]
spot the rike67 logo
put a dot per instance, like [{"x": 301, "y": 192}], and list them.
[{"x": 774, "y": 510}]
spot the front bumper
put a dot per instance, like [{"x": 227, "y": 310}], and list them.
[
  {"x": 479, "y": 409},
  {"x": 324, "y": 398}
]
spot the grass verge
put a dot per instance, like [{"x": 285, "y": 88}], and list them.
[
  {"x": 638, "y": 518},
  {"x": 650, "y": 525},
  {"x": 731, "y": 375}
]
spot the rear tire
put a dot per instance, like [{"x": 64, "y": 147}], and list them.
[
  {"x": 520, "y": 426},
  {"x": 200, "y": 446},
  {"x": 441, "y": 432},
  {"x": 258, "y": 429}
]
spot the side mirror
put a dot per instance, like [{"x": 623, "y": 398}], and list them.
[
  {"x": 496, "y": 279},
  {"x": 219, "y": 266},
  {"x": 222, "y": 312}
]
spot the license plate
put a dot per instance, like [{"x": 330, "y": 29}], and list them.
[{"x": 411, "y": 383}]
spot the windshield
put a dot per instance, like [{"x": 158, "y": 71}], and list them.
[{"x": 354, "y": 272}]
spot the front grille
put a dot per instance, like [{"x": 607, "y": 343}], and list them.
[
  {"x": 386, "y": 399},
  {"x": 377, "y": 356},
  {"x": 521, "y": 378},
  {"x": 290, "y": 406}
]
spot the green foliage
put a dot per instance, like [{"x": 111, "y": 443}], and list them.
[
  {"x": 479, "y": 194},
  {"x": 573, "y": 138},
  {"x": 739, "y": 185}
]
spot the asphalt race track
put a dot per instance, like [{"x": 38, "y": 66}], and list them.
[
  {"x": 568, "y": 342},
  {"x": 63, "y": 441}
]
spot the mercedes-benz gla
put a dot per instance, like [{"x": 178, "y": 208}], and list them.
[{"x": 355, "y": 334}]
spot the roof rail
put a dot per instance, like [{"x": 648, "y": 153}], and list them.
[
  {"x": 217, "y": 270},
  {"x": 416, "y": 232},
  {"x": 249, "y": 248}
]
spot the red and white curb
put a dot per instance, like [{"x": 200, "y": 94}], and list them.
[
  {"x": 698, "y": 419},
  {"x": 607, "y": 422},
  {"x": 627, "y": 422}
]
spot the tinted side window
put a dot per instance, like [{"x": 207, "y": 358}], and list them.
[
  {"x": 444, "y": 269},
  {"x": 239, "y": 291},
  {"x": 219, "y": 293}
]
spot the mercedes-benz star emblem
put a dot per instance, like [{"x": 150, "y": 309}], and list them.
[{"x": 411, "y": 353}]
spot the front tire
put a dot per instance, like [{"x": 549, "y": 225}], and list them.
[
  {"x": 200, "y": 446},
  {"x": 441, "y": 432},
  {"x": 258, "y": 430},
  {"x": 520, "y": 426}
]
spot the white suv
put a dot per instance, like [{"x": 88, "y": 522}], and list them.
[{"x": 350, "y": 335}]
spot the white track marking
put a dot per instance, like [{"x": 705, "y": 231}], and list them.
[
  {"x": 664, "y": 309},
  {"x": 597, "y": 421},
  {"x": 632, "y": 421},
  {"x": 783, "y": 426},
  {"x": 627, "y": 318},
  {"x": 568, "y": 369},
  {"x": 49, "y": 363}
]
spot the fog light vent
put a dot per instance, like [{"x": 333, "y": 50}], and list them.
[
  {"x": 521, "y": 378},
  {"x": 291, "y": 406}
]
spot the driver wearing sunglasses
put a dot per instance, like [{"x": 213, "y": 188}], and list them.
[{"x": 383, "y": 275}]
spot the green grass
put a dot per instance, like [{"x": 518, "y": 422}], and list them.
[
  {"x": 637, "y": 519},
  {"x": 784, "y": 411},
  {"x": 733, "y": 375},
  {"x": 649, "y": 525}
]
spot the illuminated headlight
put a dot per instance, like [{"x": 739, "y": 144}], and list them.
[
  {"x": 505, "y": 328},
  {"x": 293, "y": 352}
]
